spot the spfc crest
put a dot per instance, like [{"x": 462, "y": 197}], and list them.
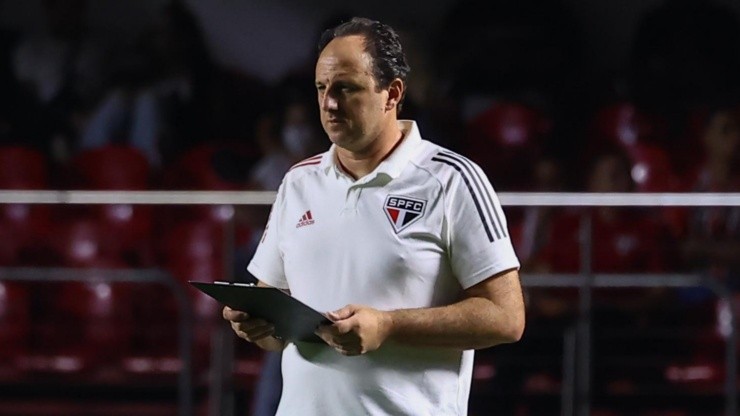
[{"x": 402, "y": 211}]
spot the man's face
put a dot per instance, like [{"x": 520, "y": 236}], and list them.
[{"x": 353, "y": 109}]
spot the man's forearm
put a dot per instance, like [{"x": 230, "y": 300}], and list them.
[{"x": 471, "y": 323}]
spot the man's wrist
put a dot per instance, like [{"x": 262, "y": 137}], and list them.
[
  {"x": 388, "y": 324},
  {"x": 271, "y": 343}
]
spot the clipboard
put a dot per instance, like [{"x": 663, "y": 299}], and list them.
[{"x": 293, "y": 320}]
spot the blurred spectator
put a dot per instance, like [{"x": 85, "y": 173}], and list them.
[
  {"x": 287, "y": 132},
  {"x": 274, "y": 160},
  {"x": 713, "y": 240},
  {"x": 158, "y": 88},
  {"x": 644, "y": 137},
  {"x": 535, "y": 224},
  {"x": 623, "y": 240},
  {"x": 61, "y": 71},
  {"x": 301, "y": 136}
]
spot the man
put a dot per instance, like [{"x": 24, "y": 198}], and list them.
[{"x": 403, "y": 240}]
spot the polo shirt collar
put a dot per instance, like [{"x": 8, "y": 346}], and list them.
[{"x": 394, "y": 164}]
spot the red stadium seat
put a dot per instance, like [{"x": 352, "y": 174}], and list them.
[
  {"x": 191, "y": 243},
  {"x": 112, "y": 167},
  {"x": 104, "y": 313},
  {"x": 83, "y": 243},
  {"x": 15, "y": 325},
  {"x": 9, "y": 248},
  {"x": 133, "y": 226},
  {"x": 118, "y": 167},
  {"x": 22, "y": 168},
  {"x": 219, "y": 166},
  {"x": 26, "y": 225},
  {"x": 194, "y": 251},
  {"x": 155, "y": 349},
  {"x": 211, "y": 166},
  {"x": 85, "y": 328},
  {"x": 190, "y": 250}
]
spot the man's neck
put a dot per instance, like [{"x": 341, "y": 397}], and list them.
[{"x": 359, "y": 163}]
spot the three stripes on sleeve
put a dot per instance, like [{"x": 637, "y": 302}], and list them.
[{"x": 479, "y": 190}]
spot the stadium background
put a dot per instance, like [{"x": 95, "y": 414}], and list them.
[{"x": 548, "y": 96}]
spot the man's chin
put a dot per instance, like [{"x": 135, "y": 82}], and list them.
[{"x": 339, "y": 138}]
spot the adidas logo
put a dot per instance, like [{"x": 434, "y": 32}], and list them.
[{"x": 306, "y": 219}]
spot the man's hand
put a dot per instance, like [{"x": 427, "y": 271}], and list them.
[
  {"x": 356, "y": 329},
  {"x": 253, "y": 330}
]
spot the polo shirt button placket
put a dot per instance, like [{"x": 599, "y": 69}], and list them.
[{"x": 353, "y": 197}]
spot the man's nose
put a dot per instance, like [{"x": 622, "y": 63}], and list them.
[{"x": 329, "y": 102}]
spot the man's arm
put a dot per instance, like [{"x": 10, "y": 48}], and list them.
[
  {"x": 490, "y": 313},
  {"x": 257, "y": 331}
]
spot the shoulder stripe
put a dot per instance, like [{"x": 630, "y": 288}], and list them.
[
  {"x": 478, "y": 191},
  {"x": 493, "y": 211},
  {"x": 314, "y": 160},
  {"x": 318, "y": 162},
  {"x": 470, "y": 189},
  {"x": 479, "y": 187}
]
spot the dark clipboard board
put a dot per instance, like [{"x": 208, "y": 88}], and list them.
[{"x": 293, "y": 320}]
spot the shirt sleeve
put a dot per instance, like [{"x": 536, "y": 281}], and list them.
[
  {"x": 267, "y": 263},
  {"x": 479, "y": 244}
]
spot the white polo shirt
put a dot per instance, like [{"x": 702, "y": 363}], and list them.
[{"x": 415, "y": 232}]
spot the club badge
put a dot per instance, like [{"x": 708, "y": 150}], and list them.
[{"x": 402, "y": 211}]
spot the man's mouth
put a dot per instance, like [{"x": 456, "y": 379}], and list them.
[{"x": 335, "y": 121}]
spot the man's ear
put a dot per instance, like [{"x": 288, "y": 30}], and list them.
[{"x": 396, "y": 90}]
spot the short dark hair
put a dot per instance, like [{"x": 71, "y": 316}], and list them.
[{"x": 383, "y": 45}]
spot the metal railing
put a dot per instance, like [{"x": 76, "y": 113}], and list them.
[{"x": 521, "y": 199}]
